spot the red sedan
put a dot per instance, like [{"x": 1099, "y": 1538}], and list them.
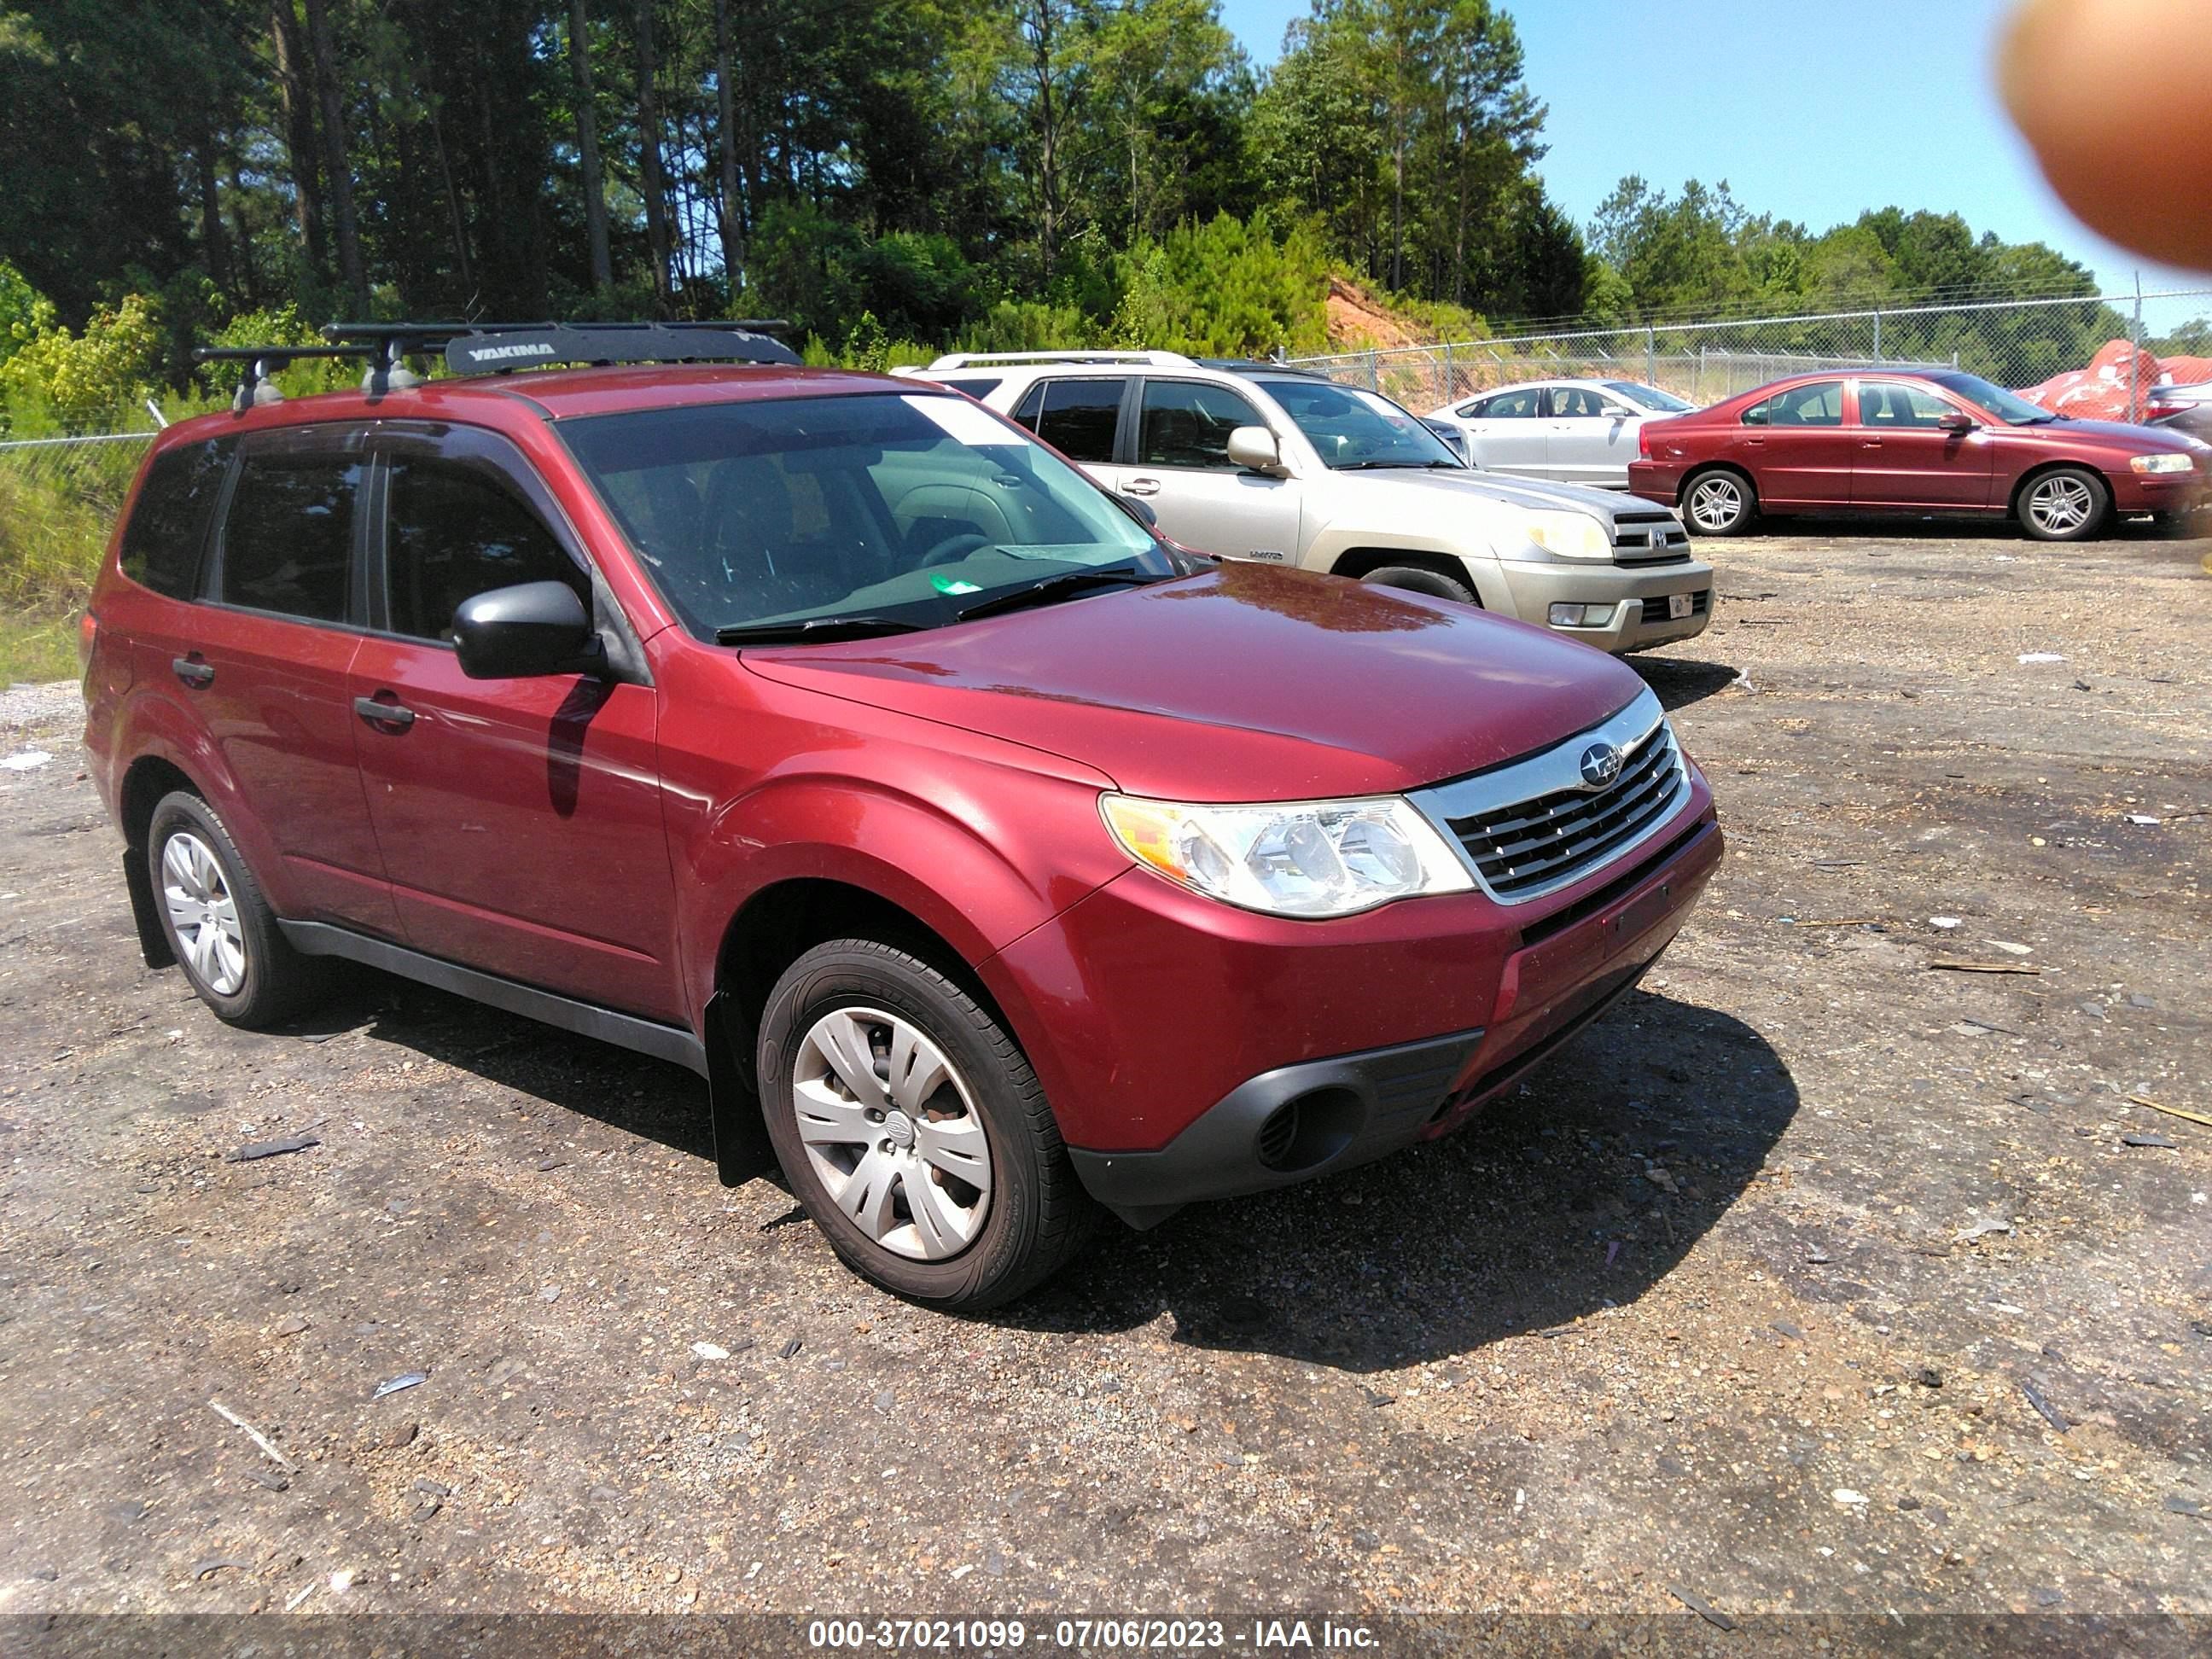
[{"x": 1894, "y": 442}]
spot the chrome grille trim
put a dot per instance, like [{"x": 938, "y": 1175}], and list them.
[{"x": 1532, "y": 827}]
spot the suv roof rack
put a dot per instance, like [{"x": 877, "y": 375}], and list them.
[
  {"x": 501, "y": 348},
  {"x": 978, "y": 359}
]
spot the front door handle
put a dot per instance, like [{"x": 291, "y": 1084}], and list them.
[
  {"x": 392, "y": 716},
  {"x": 192, "y": 672},
  {"x": 1141, "y": 487}
]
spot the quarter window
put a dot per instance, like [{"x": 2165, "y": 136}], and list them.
[
  {"x": 456, "y": 531},
  {"x": 1186, "y": 424},
  {"x": 1077, "y": 417},
  {"x": 163, "y": 543},
  {"x": 1820, "y": 404},
  {"x": 288, "y": 539}
]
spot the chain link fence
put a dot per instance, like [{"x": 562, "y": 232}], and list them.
[
  {"x": 59, "y": 494},
  {"x": 2015, "y": 342}
]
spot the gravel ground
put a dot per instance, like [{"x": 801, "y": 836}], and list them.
[{"x": 1818, "y": 1277}]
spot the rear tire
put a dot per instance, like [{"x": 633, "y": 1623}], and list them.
[
  {"x": 937, "y": 1171},
  {"x": 1719, "y": 502},
  {"x": 220, "y": 929},
  {"x": 2066, "y": 504},
  {"x": 1418, "y": 579}
]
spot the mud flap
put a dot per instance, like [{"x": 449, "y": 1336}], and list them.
[
  {"x": 153, "y": 943},
  {"x": 741, "y": 1143}
]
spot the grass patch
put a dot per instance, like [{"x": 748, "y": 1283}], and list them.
[{"x": 37, "y": 649}]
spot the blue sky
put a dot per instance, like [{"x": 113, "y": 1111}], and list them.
[{"x": 1813, "y": 112}]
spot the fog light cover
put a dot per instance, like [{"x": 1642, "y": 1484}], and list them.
[{"x": 1581, "y": 616}]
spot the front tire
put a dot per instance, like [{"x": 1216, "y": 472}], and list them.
[
  {"x": 220, "y": 927},
  {"x": 913, "y": 1131},
  {"x": 2066, "y": 504},
  {"x": 1418, "y": 579},
  {"x": 1720, "y": 502}
]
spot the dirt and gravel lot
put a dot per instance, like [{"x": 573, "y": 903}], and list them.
[{"x": 1818, "y": 1277}]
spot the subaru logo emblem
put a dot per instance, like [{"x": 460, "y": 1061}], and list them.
[{"x": 1600, "y": 765}]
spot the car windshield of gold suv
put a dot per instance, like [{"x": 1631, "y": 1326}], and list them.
[{"x": 821, "y": 517}]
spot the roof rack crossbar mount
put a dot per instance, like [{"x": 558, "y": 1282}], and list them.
[
  {"x": 978, "y": 359},
  {"x": 496, "y": 348}
]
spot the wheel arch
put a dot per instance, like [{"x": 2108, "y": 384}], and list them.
[{"x": 1357, "y": 562}]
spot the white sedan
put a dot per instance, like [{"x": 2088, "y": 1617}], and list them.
[{"x": 1573, "y": 431}]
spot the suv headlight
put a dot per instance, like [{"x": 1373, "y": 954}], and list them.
[
  {"x": 2175, "y": 462},
  {"x": 1570, "y": 535},
  {"x": 1316, "y": 858}
]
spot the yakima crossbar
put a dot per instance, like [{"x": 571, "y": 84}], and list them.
[{"x": 501, "y": 348}]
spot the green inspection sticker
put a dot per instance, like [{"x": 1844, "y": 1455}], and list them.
[{"x": 953, "y": 585}]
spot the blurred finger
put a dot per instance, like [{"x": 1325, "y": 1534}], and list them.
[{"x": 2116, "y": 98}]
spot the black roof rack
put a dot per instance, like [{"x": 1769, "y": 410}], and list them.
[{"x": 500, "y": 348}]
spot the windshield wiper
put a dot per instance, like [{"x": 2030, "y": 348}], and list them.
[
  {"x": 813, "y": 631},
  {"x": 1067, "y": 584},
  {"x": 1398, "y": 466}
]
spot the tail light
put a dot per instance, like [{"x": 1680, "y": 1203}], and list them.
[
  {"x": 88, "y": 636},
  {"x": 1642, "y": 440}
]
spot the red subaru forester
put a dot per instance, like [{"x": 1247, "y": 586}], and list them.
[{"x": 995, "y": 860}]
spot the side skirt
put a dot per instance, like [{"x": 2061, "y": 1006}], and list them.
[{"x": 644, "y": 1036}]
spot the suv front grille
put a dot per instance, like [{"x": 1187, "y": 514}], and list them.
[
  {"x": 1648, "y": 538},
  {"x": 1534, "y": 827}
]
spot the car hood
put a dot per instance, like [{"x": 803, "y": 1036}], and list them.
[
  {"x": 1606, "y": 504},
  {"x": 2143, "y": 440},
  {"x": 1247, "y": 683}
]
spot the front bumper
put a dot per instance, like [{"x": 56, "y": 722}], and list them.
[
  {"x": 1183, "y": 1032},
  {"x": 2160, "y": 492},
  {"x": 1637, "y": 596}
]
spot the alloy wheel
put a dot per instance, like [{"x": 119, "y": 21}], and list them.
[
  {"x": 1715, "y": 502},
  {"x": 2061, "y": 504},
  {"x": 892, "y": 1132},
  {"x": 203, "y": 913}
]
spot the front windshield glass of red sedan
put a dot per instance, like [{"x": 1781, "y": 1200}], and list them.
[
  {"x": 877, "y": 513},
  {"x": 2008, "y": 406},
  {"x": 1353, "y": 429}
]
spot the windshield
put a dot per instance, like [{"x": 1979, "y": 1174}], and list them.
[
  {"x": 2008, "y": 406},
  {"x": 905, "y": 509},
  {"x": 1650, "y": 396},
  {"x": 1353, "y": 429}
]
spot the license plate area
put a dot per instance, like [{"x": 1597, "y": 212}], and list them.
[{"x": 1678, "y": 606}]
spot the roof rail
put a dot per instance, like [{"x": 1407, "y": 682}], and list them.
[
  {"x": 500, "y": 348},
  {"x": 976, "y": 359}
]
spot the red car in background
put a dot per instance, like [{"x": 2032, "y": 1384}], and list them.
[{"x": 1914, "y": 443}]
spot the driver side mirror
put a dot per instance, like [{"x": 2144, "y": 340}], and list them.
[
  {"x": 1955, "y": 422},
  {"x": 1255, "y": 449},
  {"x": 523, "y": 632}
]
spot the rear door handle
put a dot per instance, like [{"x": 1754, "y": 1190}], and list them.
[
  {"x": 395, "y": 717},
  {"x": 192, "y": 672},
  {"x": 1869, "y": 443},
  {"x": 1141, "y": 487}
]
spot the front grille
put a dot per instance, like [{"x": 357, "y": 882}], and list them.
[
  {"x": 1649, "y": 538},
  {"x": 1655, "y": 610},
  {"x": 1534, "y": 846}
]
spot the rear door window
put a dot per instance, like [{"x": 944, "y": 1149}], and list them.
[
  {"x": 1524, "y": 404},
  {"x": 1820, "y": 404},
  {"x": 168, "y": 532},
  {"x": 454, "y": 530},
  {"x": 1077, "y": 417},
  {"x": 288, "y": 539}
]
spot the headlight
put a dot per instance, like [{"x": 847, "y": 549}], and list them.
[
  {"x": 1570, "y": 535},
  {"x": 2173, "y": 462},
  {"x": 1316, "y": 858}
]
